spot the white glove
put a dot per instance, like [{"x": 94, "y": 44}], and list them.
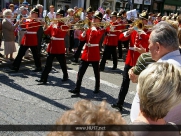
[
  {"x": 112, "y": 28},
  {"x": 54, "y": 25},
  {"x": 83, "y": 34},
  {"x": 93, "y": 28},
  {"x": 141, "y": 32}
]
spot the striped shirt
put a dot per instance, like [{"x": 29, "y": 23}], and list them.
[{"x": 143, "y": 61}]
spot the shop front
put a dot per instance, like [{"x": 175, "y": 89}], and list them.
[
  {"x": 141, "y": 5},
  {"x": 171, "y": 6},
  {"x": 123, "y": 4}
]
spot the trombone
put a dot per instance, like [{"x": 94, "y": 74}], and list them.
[{"x": 79, "y": 25}]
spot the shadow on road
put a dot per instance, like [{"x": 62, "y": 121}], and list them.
[{"x": 18, "y": 87}]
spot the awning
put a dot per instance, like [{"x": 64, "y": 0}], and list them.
[{"x": 173, "y": 2}]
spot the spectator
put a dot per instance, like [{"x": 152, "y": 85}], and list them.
[
  {"x": 51, "y": 14},
  {"x": 8, "y": 33},
  {"x": 107, "y": 16},
  {"x": 11, "y": 6},
  {"x": 75, "y": 8},
  {"x": 87, "y": 113},
  {"x": 158, "y": 86},
  {"x": 40, "y": 31},
  {"x": 150, "y": 21},
  {"x": 26, "y": 5},
  {"x": 21, "y": 29},
  {"x": 163, "y": 47},
  {"x": 77, "y": 33},
  {"x": 40, "y": 7},
  {"x": 69, "y": 35},
  {"x": 70, "y": 12}
]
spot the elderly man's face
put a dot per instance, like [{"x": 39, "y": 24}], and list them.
[{"x": 153, "y": 48}]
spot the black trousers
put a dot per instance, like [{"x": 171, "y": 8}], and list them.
[
  {"x": 126, "y": 44},
  {"x": 71, "y": 40},
  {"x": 109, "y": 50},
  {"x": 21, "y": 53},
  {"x": 40, "y": 36},
  {"x": 82, "y": 69},
  {"x": 78, "y": 52},
  {"x": 120, "y": 49},
  {"x": 124, "y": 86},
  {"x": 48, "y": 67}
]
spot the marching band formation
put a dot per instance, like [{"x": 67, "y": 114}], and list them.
[{"x": 111, "y": 30}]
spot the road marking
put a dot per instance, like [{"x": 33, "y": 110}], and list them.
[
  {"x": 72, "y": 71},
  {"x": 101, "y": 81},
  {"x": 105, "y": 82},
  {"x": 118, "y": 66}
]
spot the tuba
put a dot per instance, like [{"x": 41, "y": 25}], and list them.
[{"x": 138, "y": 23}]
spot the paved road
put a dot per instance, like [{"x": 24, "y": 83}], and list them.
[{"x": 25, "y": 102}]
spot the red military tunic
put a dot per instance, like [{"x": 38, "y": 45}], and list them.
[
  {"x": 30, "y": 37},
  {"x": 135, "y": 40},
  {"x": 111, "y": 39},
  {"x": 92, "y": 38},
  {"x": 57, "y": 43}
]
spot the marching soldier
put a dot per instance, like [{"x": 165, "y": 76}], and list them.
[
  {"x": 81, "y": 43},
  {"x": 29, "y": 40},
  {"x": 111, "y": 42},
  {"x": 121, "y": 27},
  {"x": 56, "y": 48},
  {"x": 91, "y": 54},
  {"x": 138, "y": 44}
]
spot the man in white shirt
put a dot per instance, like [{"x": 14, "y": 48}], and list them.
[
  {"x": 164, "y": 47},
  {"x": 51, "y": 14}
]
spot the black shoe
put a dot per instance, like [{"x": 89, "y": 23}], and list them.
[
  {"x": 41, "y": 82},
  {"x": 37, "y": 69},
  {"x": 96, "y": 91},
  {"x": 114, "y": 68},
  {"x": 65, "y": 79},
  {"x": 75, "y": 91},
  {"x": 14, "y": 68},
  {"x": 117, "y": 106},
  {"x": 74, "y": 60},
  {"x": 101, "y": 69}
]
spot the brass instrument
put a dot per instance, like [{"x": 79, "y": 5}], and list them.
[
  {"x": 75, "y": 25},
  {"x": 79, "y": 25},
  {"x": 64, "y": 19}
]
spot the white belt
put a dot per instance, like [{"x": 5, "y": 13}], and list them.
[
  {"x": 54, "y": 38},
  {"x": 91, "y": 45},
  {"x": 30, "y": 32},
  {"x": 131, "y": 48},
  {"x": 111, "y": 35}
]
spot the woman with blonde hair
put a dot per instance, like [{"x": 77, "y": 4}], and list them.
[
  {"x": 159, "y": 91},
  {"x": 86, "y": 113},
  {"x": 8, "y": 33}
]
